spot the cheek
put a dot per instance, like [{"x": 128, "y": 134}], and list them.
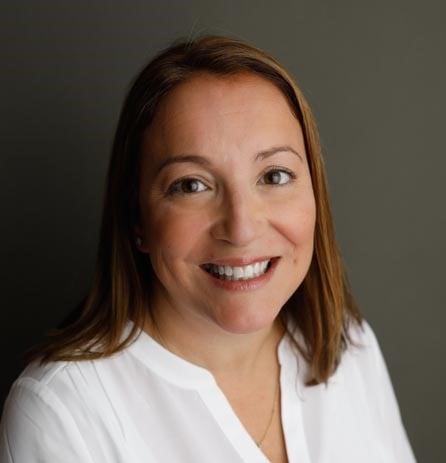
[
  {"x": 295, "y": 221},
  {"x": 172, "y": 233}
]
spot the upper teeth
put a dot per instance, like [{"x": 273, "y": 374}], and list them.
[{"x": 239, "y": 273}]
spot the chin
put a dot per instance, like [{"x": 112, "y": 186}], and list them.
[{"x": 245, "y": 323}]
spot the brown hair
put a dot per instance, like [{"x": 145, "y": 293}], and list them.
[{"x": 322, "y": 307}]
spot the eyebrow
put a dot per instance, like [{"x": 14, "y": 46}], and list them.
[{"x": 197, "y": 159}]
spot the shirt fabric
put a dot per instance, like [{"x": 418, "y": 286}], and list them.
[{"x": 146, "y": 404}]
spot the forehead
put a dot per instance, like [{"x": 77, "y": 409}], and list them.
[
  {"x": 237, "y": 88},
  {"x": 212, "y": 108}
]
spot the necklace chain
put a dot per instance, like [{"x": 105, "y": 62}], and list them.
[{"x": 259, "y": 442}]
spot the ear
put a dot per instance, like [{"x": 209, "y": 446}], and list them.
[{"x": 139, "y": 239}]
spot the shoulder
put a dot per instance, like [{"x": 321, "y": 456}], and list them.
[
  {"x": 362, "y": 333},
  {"x": 369, "y": 378},
  {"x": 365, "y": 348},
  {"x": 36, "y": 409},
  {"x": 52, "y": 388},
  {"x": 363, "y": 352},
  {"x": 66, "y": 383},
  {"x": 62, "y": 388},
  {"x": 52, "y": 381},
  {"x": 61, "y": 407},
  {"x": 364, "y": 368}
]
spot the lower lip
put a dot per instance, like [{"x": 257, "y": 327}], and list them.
[{"x": 246, "y": 285}]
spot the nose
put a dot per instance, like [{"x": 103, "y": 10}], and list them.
[{"x": 239, "y": 218}]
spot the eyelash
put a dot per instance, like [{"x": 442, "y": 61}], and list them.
[{"x": 173, "y": 191}]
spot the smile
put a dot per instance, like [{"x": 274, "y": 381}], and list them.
[
  {"x": 226, "y": 272},
  {"x": 243, "y": 278}
]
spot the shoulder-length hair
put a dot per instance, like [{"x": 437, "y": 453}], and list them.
[{"x": 322, "y": 307}]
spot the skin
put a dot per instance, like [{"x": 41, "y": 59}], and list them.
[{"x": 238, "y": 210}]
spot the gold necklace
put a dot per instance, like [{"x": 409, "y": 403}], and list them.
[{"x": 259, "y": 443}]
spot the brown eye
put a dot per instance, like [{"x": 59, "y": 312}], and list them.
[
  {"x": 186, "y": 186},
  {"x": 279, "y": 176}
]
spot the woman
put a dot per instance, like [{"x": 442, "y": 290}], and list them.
[{"x": 219, "y": 326}]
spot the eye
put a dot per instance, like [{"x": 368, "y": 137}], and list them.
[
  {"x": 185, "y": 186},
  {"x": 279, "y": 176}
]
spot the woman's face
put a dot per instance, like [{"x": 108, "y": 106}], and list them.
[{"x": 225, "y": 202}]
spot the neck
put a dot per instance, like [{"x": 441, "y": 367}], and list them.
[{"x": 237, "y": 356}]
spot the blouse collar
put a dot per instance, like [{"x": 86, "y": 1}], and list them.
[{"x": 188, "y": 375}]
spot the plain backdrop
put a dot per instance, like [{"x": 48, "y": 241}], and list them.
[{"x": 375, "y": 75}]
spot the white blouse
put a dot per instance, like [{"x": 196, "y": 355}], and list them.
[{"x": 146, "y": 404}]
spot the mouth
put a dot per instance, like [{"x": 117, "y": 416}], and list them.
[{"x": 236, "y": 273}]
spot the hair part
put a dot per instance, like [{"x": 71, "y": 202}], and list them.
[{"x": 322, "y": 307}]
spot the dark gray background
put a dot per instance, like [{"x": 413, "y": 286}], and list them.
[{"x": 374, "y": 73}]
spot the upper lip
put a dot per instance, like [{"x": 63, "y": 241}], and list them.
[{"x": 239, "y": 261}]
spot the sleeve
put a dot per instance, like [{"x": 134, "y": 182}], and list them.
[
  {"x": 37, "y": 427},
  {"x": 388, "y": 408}
]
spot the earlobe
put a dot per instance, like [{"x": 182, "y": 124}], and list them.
[
  {"x": 139, "y": 244},
  {"x": 138, "y": 237}
]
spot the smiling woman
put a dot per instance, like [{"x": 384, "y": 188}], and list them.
[
  {"x": 246, "y": 196},
  {"x": 220, "y": 325}
]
